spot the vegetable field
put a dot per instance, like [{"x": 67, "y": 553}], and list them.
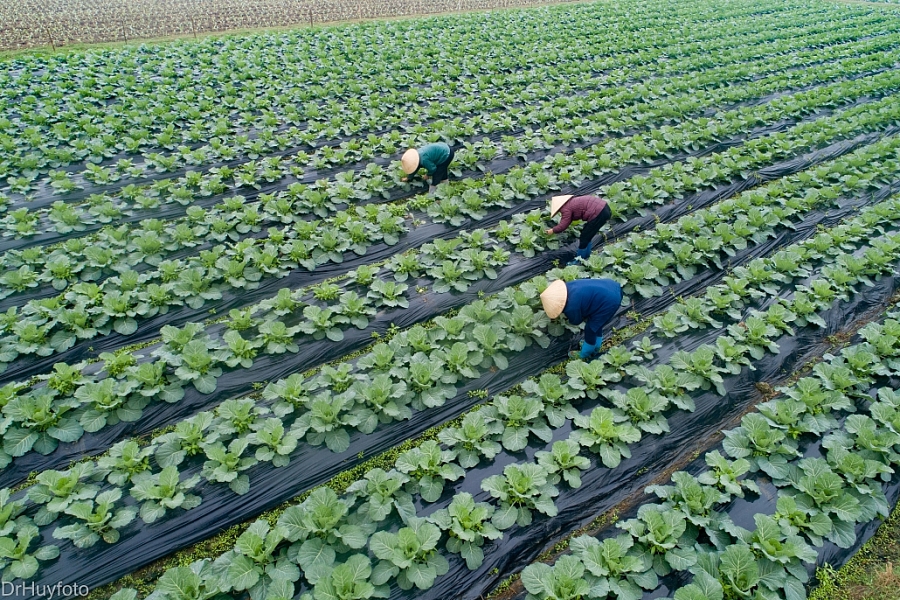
[
  {"x": 55, "y": 23},
  {"x": 240, "y": 357}
]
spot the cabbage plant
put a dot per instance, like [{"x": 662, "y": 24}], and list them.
[
  {"x": 519, "y": 490},
  {"x": 96, "y": 519},
  {"x": 159, "y": 492},
  {"x": 410, "y": 555},
  {"x": 468, "y": 525}
]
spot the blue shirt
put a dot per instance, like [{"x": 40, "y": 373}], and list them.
[{"x": 593, "y": 302}]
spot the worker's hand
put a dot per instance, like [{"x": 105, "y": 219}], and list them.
[
  {"x": 548, "y": 231},
  {"x": 404, "y": 179}
]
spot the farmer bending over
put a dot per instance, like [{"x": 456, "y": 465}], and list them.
[
  {"x": 592, "y": 209},
  {"x": 434, "y": 158},
  {"x": 591, "y": 301}
]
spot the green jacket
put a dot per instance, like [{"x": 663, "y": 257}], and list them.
[{"x": 431, "y": 155}]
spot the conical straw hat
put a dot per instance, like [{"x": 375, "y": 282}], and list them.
[
  {"x": 557, "y": 203},
  {"x": 410, "y": 161},
  {"x": 554, "y": 298}
]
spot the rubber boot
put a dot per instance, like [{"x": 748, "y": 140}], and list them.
[
  {"x": 588, "y": 351},
  {"x": 581, "y": 253}
]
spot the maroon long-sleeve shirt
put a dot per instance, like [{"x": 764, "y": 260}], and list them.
[{"x": 579, "y": 208}]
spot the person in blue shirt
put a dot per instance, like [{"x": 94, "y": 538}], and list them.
[
  {"x": 434, "y": 158},
  {"x": 593, "y": 302}
]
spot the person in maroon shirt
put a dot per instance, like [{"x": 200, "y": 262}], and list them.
[{"x": 593, "y": 210}]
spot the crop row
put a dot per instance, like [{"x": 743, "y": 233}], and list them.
[
  {"x": 128, "y": 455},
  {"x": 35, "y": 336},
  {"x": 26, "y": 222},
  {"x": 508, "y": 422},
  {"x": 643, "y": 261},
  {"x": 512, "y": 117},
  {"x": 418, "y": 339},
  {"x": 92, "y": 24},
  {"x": 818, "y": 498},
  {"x": 92, "y": 260},
  {"x": 98, "y": 127},
  {"x": 369, "y": 539},
  {"x": 122, "y": 388},
  {"x": 171, "y": 61},
  {"x": 59, "y": 24},
  {"x": 554, "y": 119},
  {"x": 253, "y": 97}
]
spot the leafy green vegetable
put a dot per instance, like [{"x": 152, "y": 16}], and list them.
[
  {"x": 57, "y": 490},
  {"x": 521, "y": 489},
  {"x": 615, "y": 566},
  {"x": 607, "y": 434},
  {"x": 348, "y": 581},
  {"x": 665, "y": 535},
  {"x": 563, "y": 462},
  {"x": 97, "y": 520},
  {"x": 16, "y": 560},
  {"x": 159, "y": 492},
  {"x": 428, "y": 467},
  {"x": 410, "y": 555},
  {"x": 125, "y": 461},
  {"x": 225, "y": 464},
  {"x": 383, "y": 494},
  {"x": 472, "y": 440},
  {"x": 254, "y": 565},
  {"x": 187, "y": 440},
  {"x": 519, "y": 417},
  {"x": 565, "y": 579},
  {"x": 468, "y": 525}
]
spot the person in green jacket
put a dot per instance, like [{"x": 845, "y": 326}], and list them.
[{"x": 434, "y": 158}]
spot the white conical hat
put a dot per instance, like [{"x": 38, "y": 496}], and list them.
[
  {"x": 557, "y": 203},
  {"x": 554, "y": 298},
  {"x": 410, "y": 161}
]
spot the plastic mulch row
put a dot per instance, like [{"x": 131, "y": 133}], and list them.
[
  {"x": 220, "y": 508},
  {"x": 313, "y": 353}
]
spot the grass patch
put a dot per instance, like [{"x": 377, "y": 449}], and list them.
[{"x": 870, "y": 574}]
